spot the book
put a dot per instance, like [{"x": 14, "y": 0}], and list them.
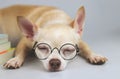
[
  {"x": 6, "y": 52},
  {"x": 6, "y": 55},
  {"x": 5, "y": 46},
  {"x": 4, "y": 43},
  {"x": 3, "y": 38}
]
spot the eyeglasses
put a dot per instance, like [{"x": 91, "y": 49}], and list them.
[{"x": 67, "y": 51}]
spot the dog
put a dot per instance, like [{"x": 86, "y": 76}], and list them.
[{"x": 53, "y": 34}]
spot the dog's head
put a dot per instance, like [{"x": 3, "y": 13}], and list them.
[{"x": 55, "y": 44}]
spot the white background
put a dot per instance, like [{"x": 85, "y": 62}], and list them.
[{"x": 101, "y": 32}]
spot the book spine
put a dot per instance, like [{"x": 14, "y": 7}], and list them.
[
  {"x": 5, "y": 46},
  {"x": 3, "y": 38},
  {"x": 6, "y": 56},
  {"x": 3, "y": 41}
]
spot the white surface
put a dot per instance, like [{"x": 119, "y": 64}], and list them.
[{"x": 101, "y": 32}]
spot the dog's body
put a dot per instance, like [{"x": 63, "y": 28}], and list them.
[{"x": 43, "y": 24}]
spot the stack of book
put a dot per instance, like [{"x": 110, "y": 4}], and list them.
[{"x": 6, "y": 52}]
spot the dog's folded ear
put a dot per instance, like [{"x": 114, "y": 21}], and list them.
[
  {"x": 27, "y": 27},
  {"x": 78, "y": 23}
]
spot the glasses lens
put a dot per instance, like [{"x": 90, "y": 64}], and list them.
[
  {"x": 43, "y": 50},
  {"x": 68, "y": 51}
]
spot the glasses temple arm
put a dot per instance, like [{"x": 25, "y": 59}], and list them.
[{"x": 34, "y": 45}]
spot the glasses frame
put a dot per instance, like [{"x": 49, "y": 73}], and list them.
[{"x": 58, "y": 49}]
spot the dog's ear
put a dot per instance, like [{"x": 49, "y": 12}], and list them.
[
  {"x": 78, "y": 23},
  {"x": 27, "y": 27}
]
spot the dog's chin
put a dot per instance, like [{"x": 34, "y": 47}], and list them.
[
  {"x": 54, "y": 64},
  {"x": 55, "y": 70},
  {"x": 52, "y": 70},
  {"x": 49, "y": 69}
]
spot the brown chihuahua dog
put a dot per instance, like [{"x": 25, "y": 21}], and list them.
[{"x": 53, "y": 35}]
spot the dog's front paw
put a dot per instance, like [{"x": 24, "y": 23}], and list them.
[
  {"x": 97, "y": 59},
  {"x": 13, "y": 63}
]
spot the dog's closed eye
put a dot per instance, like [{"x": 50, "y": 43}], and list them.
[
  {"x": 43, "y": 49},
  {"x": 68, "y": 51}
]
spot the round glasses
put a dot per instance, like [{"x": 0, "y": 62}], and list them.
[{"x": 67, "y": 51}]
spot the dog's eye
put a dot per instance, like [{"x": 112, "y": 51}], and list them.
[
  {"x": 43, "y": 49},
  {"x": 68, "y": 51}
]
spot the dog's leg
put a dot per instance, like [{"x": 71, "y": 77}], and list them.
[
  {"x": 28, "y": 30},
  {"x": 20, "y": 54},
  {"x": 78, "y": 25},
  {"x": 88, "y": 54}
]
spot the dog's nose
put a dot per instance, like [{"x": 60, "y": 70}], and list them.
[{"x": 54, "y": 64}]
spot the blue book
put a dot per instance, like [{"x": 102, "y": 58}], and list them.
[{"x": 3, "y": 38}]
